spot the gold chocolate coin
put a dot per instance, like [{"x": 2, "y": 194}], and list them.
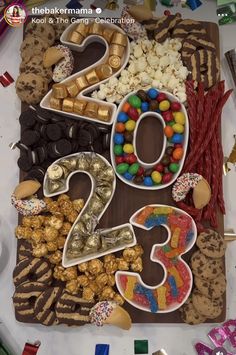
[
  {"x": 104, "y": 71},
  {"x": 114, "y": 61},
  {"x": 55, "y": 172}
]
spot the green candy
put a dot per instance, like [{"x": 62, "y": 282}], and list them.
[
  {"x": 174, "y": 167},
  {"x": 122, "y": 168},
  {"x": 170, "y": 123},
  {"x": 135, "y": 101},
  {"x": 133, "y": 169},
  {"x": 118, "y": 149}
]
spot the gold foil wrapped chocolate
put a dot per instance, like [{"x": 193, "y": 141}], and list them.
[
  {"x": 114, "y": 61},
  {"x": 56, "y": 104},
  {"x": 104, "y": 193},
  {"x": 96, "y": 29},
  {"x": 92, "y": 244},
  {"x": 68, "y": 105},
  {"x": 59, "y": 91},
  {"x": 82, "y": 28},
  {"x": 116, "y": 49},
  {"x": 125, "y": 235},
  {"x": 119, "y": 38},
  {"x": 83, "y": 162},
  {"x": 90, "y": 221},
  {"x": 79, "y": 106},
  {"x": 92, "y": 77},
  {"x": 76, "y": 37},
  {"x": 108, "y": 34},
  {"x": 81, "y": 82},
  {"x": 55, "y": 172},
  {"x": 106, "y": 175},
  {"x": 95, "y": 205},
  {"x": 69, "y": 163},
  {"x": 54, "y": 186},
  {"x": 104, "y": 113},
  {"x": 104, "y": 71},
  {"x": 80, "y": 228},
  {"x": 91, "y": 110},
  {"x": 76, "y": 242},
  {"x": 97, "y": 165},
  {"x": 72, "y": 89}
]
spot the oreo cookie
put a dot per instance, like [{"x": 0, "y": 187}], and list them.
[
  {"x": 24, "y": 163},
  {"x": 60, "y": 148},
  {"x": 84, "y": 138},
  {"x": 28, "y": 119},
  {"x": 43, "y": 116},
  {"x": 41, "y": 153},
  {"x": 36, "y": 173},
  {"x": 106, "y": 139},
  {"x": 29, "y": 137},
  {"x": 97, "y": 146},
  {"x": 53, "y": 132},
  {"x": 71, "y": 131},
  {"x": 43, "y": 131}
]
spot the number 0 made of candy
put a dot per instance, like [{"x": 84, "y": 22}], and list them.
[
  {"x": 176, "y": 286},
  {"x": 68, "y": 97},
  {"x": 83, "y": 242},
  {"x": 175, "y": 127}
]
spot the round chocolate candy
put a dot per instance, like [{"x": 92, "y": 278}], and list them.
[
  {"x": 177, "y": 138},
  {"x": 128, "y": 137},
  {"x": 148, "y": 172},
  {"x": 167, "y": 177},
  {"x": 130, "y": 125},
  {"x": 145, "y": 106},
  {"x": 153, "y": 105},
  {"x": 122, "y": 117},
  {"x": 135, "y": 101},
  {"x": 128, "y": 148},
  {"x": 165, "y": 160},
  {"x": 156, "y": 177},
  {"x": 133, "y": 113},
  {"x": 119, "y": 138},
  {"x": 169, "y": 150},
  {"x": 133, "y": 169},
  {"x": 138, "y": 180},
  {"x": 179, "y": 117},
  {"x": 175, "y": 106},
  {"x": 140, "y": 171},
  {"x": 122, "y": 168},
  {"x": 130, "y": 158},
  {"x": 148, "y": 181},
  {"x": 162, "y": 96},
  {"x": 174, "y": 167},
  {"x": 164, "y": 105},
  {"x": 152, "y": 93},
  {"x": 142, "y": 95},
  {"x": 119, "y": 159},
  {"x": 159, "y": 167},
  {"x": 178, "y": 128},
  {"x": 128, "y": 176},
  {"x": 118, "y": 149}
]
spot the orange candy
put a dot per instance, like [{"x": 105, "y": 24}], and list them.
[
  {"x": 126, "y": 107},
  {"x": 168, "y": 130},
  {"x": 120, "y": 127},
  {"x": 178, "y": 153}
]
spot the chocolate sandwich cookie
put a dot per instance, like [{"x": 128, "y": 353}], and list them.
[
  {"x": 44, "y": 308},
  {"x": 57, "y": 118},
  {"x": 33, "y": 158},
  {"x": 24, "y": 163},
  {"x": 43, "y": 116},
  {"x": 29, "y": 137},
  {"x": 41, "y": 153},
  {"x": 73, "y": 309},
  {"x": 85, "y": 138},
  {"x": 54, "y": 132},
  {"x": 97, "y": 146},
  {"x": 43, "y": 132},
  {"x": 72, "y": 130},
  {"x": 28, "y": 119},
  {"x": 24, "y": 299},
  {"x": 33, "y": 269},
  {"x": 60, "y": 148},
  {"x": 106, "y": 139},
  {"x": 36, "y": 173},
  {"x": 75, "y": 146}
]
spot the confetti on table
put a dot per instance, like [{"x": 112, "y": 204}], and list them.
[{"x": 141, "y": 346}]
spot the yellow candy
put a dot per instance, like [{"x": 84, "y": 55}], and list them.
[
  {"x": 179, "y": 117},
  {"x": 175, "y": 238},
  {"x": 161, "y": 297},
  {"x": 139, "y": 110},
  {"x": 130, "y": 125},
  {"x": 156, "y": 177},
  {"x": 174, "y": 272},
  {"x": 162, "y": 210},
  {"x": 178, "y": 128},
  {"x": 164, "y": 105},
  {"x": 128, "y": 148},
  {"x": 129, "y": 291}
]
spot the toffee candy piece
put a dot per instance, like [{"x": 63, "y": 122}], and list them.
[
  {"x": 28, "y": 118},
  {"x": 54, "y": 132},
  {"x": 33, "y": 269},
  {"x": 30, "y": 137}
]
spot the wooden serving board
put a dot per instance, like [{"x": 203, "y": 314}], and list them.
[{"x": 128, "y": 200}]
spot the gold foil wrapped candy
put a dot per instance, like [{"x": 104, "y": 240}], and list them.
[
  {"x": 125, "y": 235},
  {"x": 90, "y": 221},
  {"x": 76, "y": 242},
  {"x": 81, "y": 82},
  {"x": 72, "y": 89},
  {"x": 106, "y": 175},
  {"x": 119, "y": 38},
  {"x": 59, "y": 91},
  {"x": 55, "y": 172},
  {"x": 95, "y": 29},
  {"x": 91, "y": 109},
  {"x": 114, "y": 61},
  {"x": 79, "y": 106},
  {"x": 104, "y": 113},
  {"x": 92, "y": 244},
  {"x": 68, "y": 105},
  {"x": 116, "y": 49},
  {"x": 92, "y": 77},
  {"x": 104, "y": 71},
  {"x": 82, "y": 28},
  {"x": 83, "y": 162},
  {"x": 56, "y": 104},
  {"x": 69, "y": 163},
  {"x": 76, "y": 37},
  {"x": 95, "y": 205},
  {"x": 97, "y": 165},
  {"x": 104, "y": 193},
  {"x": 80, "y": 229},
  {"x": 108, "y": 34}
]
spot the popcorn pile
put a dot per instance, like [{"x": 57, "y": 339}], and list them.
[{"x": 151, "y": 64}]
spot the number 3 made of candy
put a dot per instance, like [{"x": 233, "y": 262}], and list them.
[
  {"x": 83, "y": 242},
  {"x": 69, "y": 96},
  {"x": 176, "y": 286},
  {"x": 135, "y": 107}
]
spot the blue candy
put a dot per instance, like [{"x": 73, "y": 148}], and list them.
[
  {"x": 173, "y": 286},
  {"x": 128, "y": 176},
  {"x": 145, "y": 106},
  {"x": 152, "y": 93},
  {"x": 177, "y": 138},
  {"x": 122, "y": 117},
  {"x": 139, "y": 289},
  {"x": 148, "y": 181},
  {"x": 189, "y": 236},
  {"x": 119, "y": 138}
]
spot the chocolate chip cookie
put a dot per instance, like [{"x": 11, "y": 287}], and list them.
[
  {"x": 213, "y": 288},
  {"x": 211, "y": 244},
  {"x": 190, "y": 315},
  {"x": 210, "y": 308},
  {"x": 32, "y": 46},
  {"x": 35, "y": 66},
  {"x": 42, "y": 30},
  {"x": 31, "y": 88},
  {"x": 204, "y": 267}
]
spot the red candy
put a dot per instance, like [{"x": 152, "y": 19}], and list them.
[
  {"x": 168, "y": 116},
  {"x": 140, "y": 171},
  {"x": 159, "y": 167},
  {"x": 167, "y": 178},
  {"x": 175, "y": 106},
  {"x": 178, "y": 145},
  {"x": 130, "y": 158},
  {"x": 123, "y": 281},
  {"x": 133, "y": 113},
  {"x": 119, "y": 160},
  {"x": 162, "y": 96}
]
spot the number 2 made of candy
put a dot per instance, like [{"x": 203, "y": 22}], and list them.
[
  {"x": 68, "y": 97},
  {"x": 135, "y": 107},
  {"x": 83, "y": 242},
  {"x": 176, "y": 286}
]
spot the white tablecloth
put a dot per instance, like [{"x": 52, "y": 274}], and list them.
[{"x": 176, "y": 339}]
